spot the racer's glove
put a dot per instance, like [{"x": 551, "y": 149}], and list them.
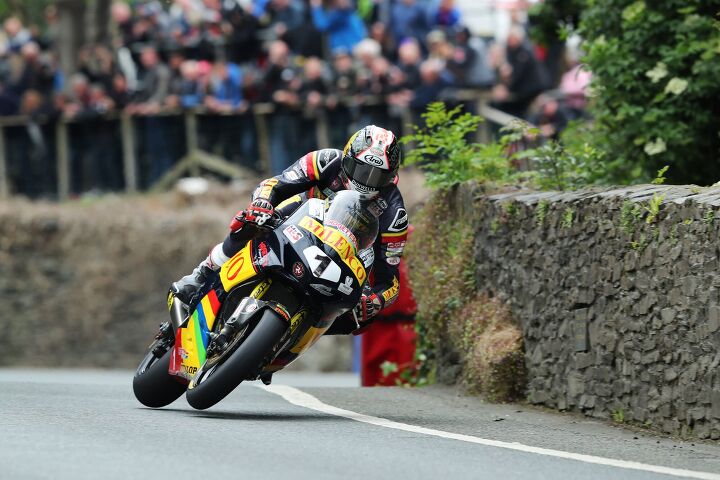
[
  {"x": 258, "y": 212},
  {"x": 369, "y": 306}
]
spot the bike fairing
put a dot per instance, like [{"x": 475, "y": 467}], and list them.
[
  {"x": 318, "y": 175},
  {"x": 255, "y": 261}
]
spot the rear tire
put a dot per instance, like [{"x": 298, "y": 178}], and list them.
[
  {"x": 154, "y": 387},
  {"x": 242, "y": 363}
]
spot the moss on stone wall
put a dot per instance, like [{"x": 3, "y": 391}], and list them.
[{"x": 456, "y": 326}]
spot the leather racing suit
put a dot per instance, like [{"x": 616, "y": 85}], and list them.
[{"x": 318, "y": 175}]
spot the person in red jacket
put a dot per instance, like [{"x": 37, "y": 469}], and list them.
[{"x": 391, "y": 337}]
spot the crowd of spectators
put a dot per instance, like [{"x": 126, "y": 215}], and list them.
[{"x": 356, "y": 62}]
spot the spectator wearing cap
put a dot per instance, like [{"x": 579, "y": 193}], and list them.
[{"x": 340, "y": 22}]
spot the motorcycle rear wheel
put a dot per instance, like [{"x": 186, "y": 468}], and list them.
[
  {"x": 242, "y": 363},
  {"x": 153, "y": 386}
]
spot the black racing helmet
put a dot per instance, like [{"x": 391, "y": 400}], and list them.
[{"x": 371, "y": 160}]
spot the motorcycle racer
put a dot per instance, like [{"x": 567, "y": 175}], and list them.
[{"x": 368, "y": 164}]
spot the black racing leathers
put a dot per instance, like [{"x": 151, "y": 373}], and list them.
[{"x": 317, "y": 175}]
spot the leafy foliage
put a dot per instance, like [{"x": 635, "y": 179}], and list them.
[
  {"x": 443, "y": 151},
  {"x": 655, "y": 68},
  {"x": 552, "y": 19},
  {"x": 441, "y": 276}
]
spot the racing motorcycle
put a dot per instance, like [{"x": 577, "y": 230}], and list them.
[{"x": 270, "y": 303}]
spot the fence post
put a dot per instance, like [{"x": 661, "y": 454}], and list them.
[
  {"x": 4, "y": 181},
  {"x": 63, "y": 160},
  {"x": 261, "y": 128},
  {"x": 192, "y": 140},
  {"x": 483, "y": 134},
  {"x": 128, "y": 146},
  {"x": 321, "y": 130}
]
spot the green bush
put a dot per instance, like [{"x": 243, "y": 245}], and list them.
[
  {"x": 443, "y": 151},
  {"x": 655, "y": 83}
]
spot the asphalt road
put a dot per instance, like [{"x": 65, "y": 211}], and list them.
[{"x": 87, "y": 425}]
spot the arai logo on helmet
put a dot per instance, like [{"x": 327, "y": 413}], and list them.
[{"x": 374, "y": 160}]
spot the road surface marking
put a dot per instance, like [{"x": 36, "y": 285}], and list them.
[{"x": 302, "y": 399}]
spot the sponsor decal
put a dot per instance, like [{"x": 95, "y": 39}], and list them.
[
  {"x": 393, "y": 260},
  {"x": 282, "y": 311},
  {"x": 292, "y": 233},
  {"x": 375, "y": 209},
  {"x": 374, "y": 160},
  {"x": 396, "y": 245},
  {"x": 344, "y": 230},
  {"x": 261, "y": 289},
  {"x": 324, "y": 290},
  {"x": 189, "y": 370},
  {"x": 298, "y": 269},
  {"x": 298, "y": 319},
  {"x": 367, "y": 256},
  {"x": 292, "y": 175},
  {"x": 183, "y": 353},
  {"x": 400, "y": 222},
  {"x": 266, "y": 187},
  {"x": 346, "y": 287},
  {"x": 236, "y": 265},
  {"x": 337, "y": 242},
  {"x": 263, "y": 257},
  {"x": 383, "y": 204},
  {"x": 392, "y": 291}
]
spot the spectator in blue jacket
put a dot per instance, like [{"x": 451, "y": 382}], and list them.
[
  {"x": 341, "y": 22},
  {"x": 409, "y": 19}
]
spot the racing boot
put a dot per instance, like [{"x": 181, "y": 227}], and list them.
[{"x": 190, "y": 287}]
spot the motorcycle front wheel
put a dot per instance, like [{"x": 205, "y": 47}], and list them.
[
  {"x": 211, "y": 386},
  {"x": 153, "y": 386}
]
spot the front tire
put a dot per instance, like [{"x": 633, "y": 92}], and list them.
[
  {"x": 242, "y": 363},
  {"x": 153, "y": 386}
]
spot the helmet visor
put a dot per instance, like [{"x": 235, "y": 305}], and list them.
[{"x": 366, "y": 174}]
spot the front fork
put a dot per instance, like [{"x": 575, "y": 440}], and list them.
[{"x": 178, "y": 312}]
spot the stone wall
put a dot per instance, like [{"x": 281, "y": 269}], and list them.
[
  {"x": 619, "y": 301},
  {"x": 85, "y": 283}
]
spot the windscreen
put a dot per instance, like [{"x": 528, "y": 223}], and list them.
[{"x": 349, "y": 214}]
